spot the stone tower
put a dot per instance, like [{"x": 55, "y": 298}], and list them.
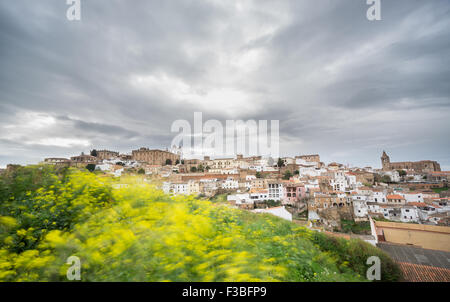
[{"x": 385, "y": 161}]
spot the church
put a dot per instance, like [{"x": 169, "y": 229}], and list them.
[{"x": 423, "y": 166}]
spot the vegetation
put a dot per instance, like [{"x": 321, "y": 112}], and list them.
[
  {"x": 280, "y": 163},
  {"x": 402, "y": 173},
  {"x": 272, "y": 203},
  {"x": 384, "y": 178},
  {"x": 168, "y": 162},
  {"x": 439, "y": 190},
  {"x": 90, "y": 167},
  {"x": 220, "y": 198},
  {"x": 137, "y": 233},
  {"x": 141, "y": 171},
  {"x": 287, "y": 175},
  {"x": 350, "y": 226}
]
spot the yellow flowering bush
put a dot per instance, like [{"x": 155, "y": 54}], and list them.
[{"x": 137, "y": 233}]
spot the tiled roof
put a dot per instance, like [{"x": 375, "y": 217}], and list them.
[
  {"x": 418, "y": 204},
  {"x": 424, "y": 273},
  {"x": 395, "y": 196}
]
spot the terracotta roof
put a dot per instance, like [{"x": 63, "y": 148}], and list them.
[
  {"x": 424, "y": 273},
  {"x": 418, "y": 204},
  {"x": 395, "y": 196}
]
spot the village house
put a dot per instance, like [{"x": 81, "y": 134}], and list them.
[
  {"x": 293, "y": 193},
  {"x": 258, "y": 183},
  {"x": 83, "y": 160},
  {"x": 395, "y": 199},
  {"x": 276, "y": 190},
  {"x": 57, "y": 161},
  {"x": 360, "y": 208},
  {"x": 259, "y": 195},
  {"x": 230, "y": 184}
]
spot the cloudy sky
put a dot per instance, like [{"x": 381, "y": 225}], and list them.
[{"x": 341, "y": 86}]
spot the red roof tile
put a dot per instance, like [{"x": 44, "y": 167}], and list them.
[{"x": 424, "y": 273}]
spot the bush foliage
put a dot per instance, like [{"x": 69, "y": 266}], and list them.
[{"x": 126, "y": 230}]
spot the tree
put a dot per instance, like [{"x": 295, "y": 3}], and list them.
[
  {"x": 272, "y": 203},
  {"x": 168, "y": 162},
  {"x": 386, "y": 179},
  {"x": 287, "y": 175},
  {"x": 200, "y": 168},
  {"x": 193, "y": 169},
  {"x": 182, "y": 161},
  {"x": 177, "y": 162},
  {"x": 90, "y": 167},
  {"x": 401, "y": 173},
  {"x": 119, "y": 163},
  {"x": 296, "y": 172},
  {"x": 141, "y": 171},
  {"x": 280, "y": 163},
  {"x": 258, "y": 175},
  {"x": 94, "y": 153}
]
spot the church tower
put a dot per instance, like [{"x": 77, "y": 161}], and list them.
[{"x": 385, "y": 161}]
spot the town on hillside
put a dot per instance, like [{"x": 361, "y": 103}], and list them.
[{"x": 331, "y": 197}]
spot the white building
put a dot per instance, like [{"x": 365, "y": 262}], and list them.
[
  {"x": 379, "y": 197},
  {"x": 230, "y": 184},
  {"x": 276, "y": 191},
  {"x": 278, "y": 211},
  {"x": 412, "y": 196},
  {"x": 259, "y": 195},
  {"x": 409, "y": 214},
  {"x": 360, "y": 208}
]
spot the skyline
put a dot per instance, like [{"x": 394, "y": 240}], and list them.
[{"x": 340, "y": 85}]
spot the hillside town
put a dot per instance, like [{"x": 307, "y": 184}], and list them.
[
  {"x": 302, "y": 189},
  {"x": 402, "y": 207}
]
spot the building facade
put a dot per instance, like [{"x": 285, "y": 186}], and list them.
[
  {"x": 423, "y": 166},
  {"x": 154, "y": 157},
  {"x": 106, "y": 154}
]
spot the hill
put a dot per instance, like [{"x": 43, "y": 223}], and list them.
[{"x": 134, "y": 232}]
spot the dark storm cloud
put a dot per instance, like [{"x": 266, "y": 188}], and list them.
[{"x": 340, "y": 85}]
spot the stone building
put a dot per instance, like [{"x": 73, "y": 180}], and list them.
[
  {"x": 82, "y": 160},
  {"x": 423, "y": 166},
  {"x": 106, "y": 154},
  {"x": 154, "y": 156},
  {"x": 309, "y": 158},
  {"x": 57, "y": 161}
]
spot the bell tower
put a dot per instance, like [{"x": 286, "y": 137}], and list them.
[{"x": 385, "y": 161}]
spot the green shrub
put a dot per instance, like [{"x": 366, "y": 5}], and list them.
[{"x": 137, "y": 233}]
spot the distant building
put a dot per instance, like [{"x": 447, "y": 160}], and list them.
[
  {"x": 423, "y": 166},
  {"x": 154, "y": 157},
  {"x": 309, "y": 158},
  {"x": 443, "y": 176},
  {"x": 57, "y": 161},
  {"x": 83, "y": 159},
  {"x": 106, "y": 154}
]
